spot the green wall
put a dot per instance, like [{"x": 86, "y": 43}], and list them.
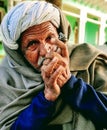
[
  {"x": 2, "y": 53},
  {"x": 91, "y": 32},
  {"x": 105, "y": 34}
]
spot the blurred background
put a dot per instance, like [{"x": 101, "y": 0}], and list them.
[{"x": 88, "y": 19}]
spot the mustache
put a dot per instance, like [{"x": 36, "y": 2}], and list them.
[
  {"x": 54, "y": 49},
  {"x": 40, "y": 60}
]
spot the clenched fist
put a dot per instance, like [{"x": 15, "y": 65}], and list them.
[{"x": 55, "y": 70}]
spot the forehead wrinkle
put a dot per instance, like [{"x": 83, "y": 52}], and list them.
[
  {"x": 39, "y": 30},
  {"x": 44, "y": 30},
  {"x": 39, "y": 26}
]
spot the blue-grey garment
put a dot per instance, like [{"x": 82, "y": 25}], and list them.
[{"x": 78, "y": 94}]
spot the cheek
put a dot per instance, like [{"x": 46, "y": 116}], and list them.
[{"x": 32, "y": 56}]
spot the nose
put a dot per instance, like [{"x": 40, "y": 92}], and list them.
[{"x": 42, "y": 49}]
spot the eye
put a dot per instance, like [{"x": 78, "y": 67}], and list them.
[
  {"x": 48, "y": 38},
  {"x": 32, "y": 43}
]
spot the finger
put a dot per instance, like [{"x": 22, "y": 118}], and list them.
[
  {"x": 56, "y": 74},
  {"x": 61, "y": 61},
  {"x": 62, "y": 46},
  {"x": 46, "y": 61},
  {"x": 62, "y": 78},
  {"x": 48, "y": 69},
  {"x": 60, "y": 81}
]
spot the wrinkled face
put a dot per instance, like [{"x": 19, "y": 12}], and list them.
[{"x": 37, "y": 41}]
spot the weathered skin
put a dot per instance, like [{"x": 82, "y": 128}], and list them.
[{"x": 41, "y": 41}]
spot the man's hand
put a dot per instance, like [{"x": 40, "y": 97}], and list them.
[{"x": 55, "y": 70}]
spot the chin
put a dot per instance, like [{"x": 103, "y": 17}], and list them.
[{"x": 37, "y": 68}]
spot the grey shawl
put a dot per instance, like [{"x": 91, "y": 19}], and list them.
[{"x": 19, "y": 83}]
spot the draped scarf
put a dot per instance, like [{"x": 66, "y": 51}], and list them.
[{"x": 20, "y": 82}]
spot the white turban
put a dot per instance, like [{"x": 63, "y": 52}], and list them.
[{"x": 25, "y": 15}]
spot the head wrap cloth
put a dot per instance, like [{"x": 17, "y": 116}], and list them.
[{"x": 25, "y": 15}]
